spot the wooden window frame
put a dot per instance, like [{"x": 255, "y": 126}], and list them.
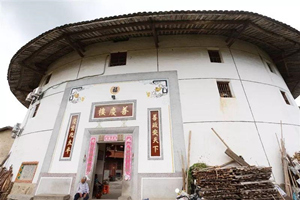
[
  {"x": 117, "y": 59},
  {"x": 270, "y": 67},
  {"x": 229, "y": 92},
  {"x": 213, "y": 58},
  {"x": 47, "y": 79},
  {"x": 35, "y": 110},
  {"x": 27, "y": 163},
  {"x": 285, "y": 98}
]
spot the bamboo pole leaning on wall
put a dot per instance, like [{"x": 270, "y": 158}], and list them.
[
  {"x": 188, "y": 163},
  {"x": 183, "y": 172},
  {"x": 287, "y": 182},
  {"x": 230, "y": 153}
]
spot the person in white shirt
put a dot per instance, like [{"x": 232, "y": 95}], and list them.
[{"x": 82, "y": 190}]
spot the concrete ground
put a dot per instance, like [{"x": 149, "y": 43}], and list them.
[{"x": 115, "y": 190}]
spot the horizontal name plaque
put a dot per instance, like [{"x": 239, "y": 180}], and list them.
[{"x": 106, "y": 111}]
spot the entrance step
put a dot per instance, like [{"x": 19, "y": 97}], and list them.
[
  {"x": 20, "y": 197},
  {"x": 124, "y": 198},
  {"x": 51, "y": 197}
]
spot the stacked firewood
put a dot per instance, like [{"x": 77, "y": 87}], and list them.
[
  {"x": 297, "y": 156},
  {"x": 247, "y": 182},
  {"x": 293, "y": 176},
  {"x": 5, "y": 182}
]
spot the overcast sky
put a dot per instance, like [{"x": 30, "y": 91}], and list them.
[{"x": 21, "y": 21}]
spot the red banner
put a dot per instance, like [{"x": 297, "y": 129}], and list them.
[
  {"x": 128, "y": 157},
  {"x": 155, "y": 133},
  {"x": 71, "y": 134},
  {"x": 91, "y": 154}
]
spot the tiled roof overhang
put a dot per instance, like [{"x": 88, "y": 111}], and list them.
[
  {"x": 279, "y": 40},
  {"x": 5, "y": 128}
]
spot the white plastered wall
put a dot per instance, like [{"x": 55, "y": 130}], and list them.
[
  {"x": 31, "y": 146},
  {"x": 256, "y": 99}
]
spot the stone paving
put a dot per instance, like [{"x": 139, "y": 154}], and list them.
[{"x": 115, "y": 190}]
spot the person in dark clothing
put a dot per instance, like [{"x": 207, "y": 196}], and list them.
[{"x": 97, "y": 187}]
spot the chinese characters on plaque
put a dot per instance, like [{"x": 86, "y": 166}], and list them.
[
  {"x": 71, "y": 132},
  {"x": 113, "y": 110},
  {"x": 91, "y": 153},
  {"x": 110, "y": 138},
  {"x": 128, "y": 157},
  {"x": 155, "y": 133},
  {"x": 115, "y": 90}
]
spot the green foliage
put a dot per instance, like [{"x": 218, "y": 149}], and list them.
[{"x": 198, "y": 166}]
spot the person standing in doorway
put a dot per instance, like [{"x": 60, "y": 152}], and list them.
[{"x": 82, "y": 190}]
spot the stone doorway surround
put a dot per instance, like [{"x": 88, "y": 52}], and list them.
[{"x": 130, "y": 187}]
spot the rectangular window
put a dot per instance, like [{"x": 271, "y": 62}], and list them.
[
  {"x": 214, "y": 56},
  {"x": 35, "y": 110},
  {"x": 48, "y": 79},
  {"x": 270, "y": 67},
  {"x": 117, "y": 59},
  {"x": 224, "y": 89},
  {"x": 285, "y": 97},
  {"x": 26, "y": 172}
]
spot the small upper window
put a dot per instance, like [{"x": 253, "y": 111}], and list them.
[
  {"x": 270, "y": 67},
  {"x": 285, "y": 97},
  {"x": 214, "y": 56},
  {"x": 35, "y": 110},
  {"x": 224, "y": 89},
  {"x": 48, "y": 79},
  {"x": 117, "y": 59}
]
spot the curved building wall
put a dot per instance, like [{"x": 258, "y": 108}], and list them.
[{"x": 247, "y": 122}]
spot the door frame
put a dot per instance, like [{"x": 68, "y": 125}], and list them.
[
  {"x": 96, "y": 159},
  {"x": 130, "y": 187}
]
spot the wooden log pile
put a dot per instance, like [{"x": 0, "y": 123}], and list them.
[
  {"x": 5, "y": 182},
  {"x": 291, "y": 170},
  {"x": 246, "y": 182},
  {"x": 293, "y": 177},
  {"x": 297, "y": 156}
]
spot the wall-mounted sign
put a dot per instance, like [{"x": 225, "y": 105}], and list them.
[
  {"x": 91, "y": 154},
  {"x": 70, "y": 137},
  {"x": 110, "y": 138},
  {"x": 127, "y": 157},
  {"x": 26, "y": 172},
  {"x": 105, "y": 138},
  {"x": 155, "y": 138},
  {"x": 114, "y": 110},
  {"x": 115, "y": 90}
]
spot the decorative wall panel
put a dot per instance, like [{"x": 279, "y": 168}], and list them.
[
  {"x": 155, "y": 133},
  {"x": 70, "y": 136}
]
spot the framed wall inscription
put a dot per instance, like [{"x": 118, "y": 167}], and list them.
[
  {"x": 155, "y": 134},
  {"x": 26, "y": 172},
  {"x": 70, "y": 136},
  {"x": 113, "y": 110}
]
